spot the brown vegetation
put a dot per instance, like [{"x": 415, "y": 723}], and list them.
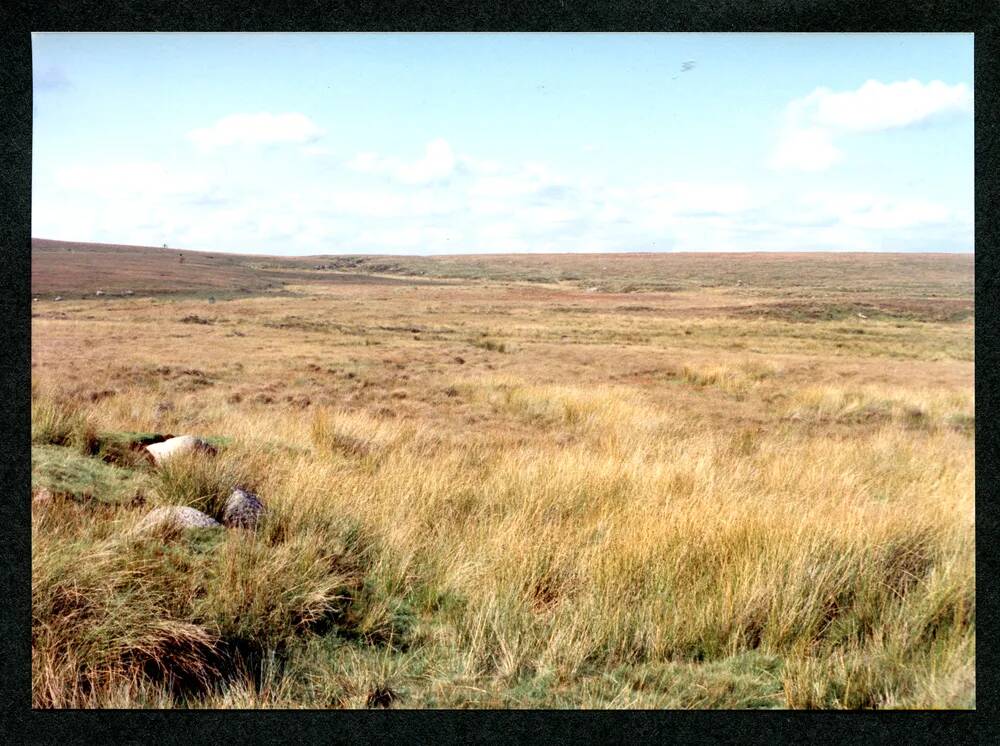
[{"x": 514, "y": 492}]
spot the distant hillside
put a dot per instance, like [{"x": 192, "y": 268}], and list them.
[
  {"x": 62, "y": 267},
  {"x": 794, "y": 274},
  {"x": 65, "y": 267}
]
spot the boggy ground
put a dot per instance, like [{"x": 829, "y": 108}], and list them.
[{"x": 486, "y": 493}]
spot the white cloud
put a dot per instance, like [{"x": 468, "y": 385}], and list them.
[
  {"x": 388, "y": 203},
  {"x": 878, "y": 211},
  {"x": 437, "y": 164},
  {"x": 479, "y": 165},
  {"x": 549, "y": 216},
  {"x": 318, "y": 150},
  {"x": 877, "y": 106},
  {"x": 370, "y": 163},
  {"x": 140, "y": 177},
  {"x": 480, "y": 206},
  {"x": 810, "y": 149},
  {"x": 686, "y": 198},
  {"x": 500, "y": 237},
  {"x": 504, "y": 186},
  {"x": 528, "y": 207},
  {"x": 609, "y": 213},
  {"x": 257, "y": 129},
  {"x": 367, "y": 203},
  {"x": 426, "y": 239},
  {"x": 812, "y": 123}
]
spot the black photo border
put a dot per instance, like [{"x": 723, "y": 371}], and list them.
[{"x": 20, "y": 724}]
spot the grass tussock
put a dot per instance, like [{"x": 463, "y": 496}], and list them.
[
  {"x": 119, "y": 616},
  {"x": 950, "y": 409},
  {"x": 490, "y": 345},
  {"x": 354, "y": 435},
  {"x": 547, "y": 405},
  {"x": 204, "y": 482},
  {"x": 737, "y": 380},
  {"x": 61, "y": 423}
]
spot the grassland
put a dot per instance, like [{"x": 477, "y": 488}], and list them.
[{"x": 599, "y": 481}]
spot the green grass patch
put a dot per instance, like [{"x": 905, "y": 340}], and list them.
[{"x": 64, "y": 471}]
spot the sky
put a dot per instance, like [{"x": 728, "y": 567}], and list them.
[{"x": 295, "y": 144}]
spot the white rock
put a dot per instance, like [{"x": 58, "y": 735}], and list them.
[
  {"x": 167, "y": 449},
  {"x": 177, "y": 517}
]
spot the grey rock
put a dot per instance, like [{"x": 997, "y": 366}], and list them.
[
  {"x": 242, "y": 510},
  {"x": 176, "y": 517}
]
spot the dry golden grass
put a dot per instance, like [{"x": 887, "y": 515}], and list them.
[{"x": 478, "y": 498}]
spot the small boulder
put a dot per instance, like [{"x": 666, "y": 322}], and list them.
[
  {"x": 242, "y": 510},
  {"x": 167, "y": 449},
  {"x": 176, "y": 517}
]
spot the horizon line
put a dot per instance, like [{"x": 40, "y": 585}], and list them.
[{"x": 506, "y": 253}]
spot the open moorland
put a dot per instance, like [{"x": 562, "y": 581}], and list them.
[{"x": 681, "y": 481}]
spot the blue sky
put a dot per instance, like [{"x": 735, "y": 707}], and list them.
[{"x": 448, "y": 143}]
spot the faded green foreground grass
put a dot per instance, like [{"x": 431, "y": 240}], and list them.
[{"x": 638, "y": 559}]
